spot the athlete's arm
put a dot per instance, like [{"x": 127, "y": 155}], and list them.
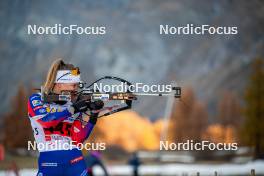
[
  {"x": 41, "y": 115},
  {"x": 80, "y": 133}
]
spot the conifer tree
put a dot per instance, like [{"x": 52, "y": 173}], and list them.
[{"x": 253, "y": 128}]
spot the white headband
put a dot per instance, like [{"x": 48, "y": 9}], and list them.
[{"x": 67, "y": 76}]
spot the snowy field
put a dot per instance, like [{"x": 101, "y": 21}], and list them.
[{"x": 174, "y": 169}]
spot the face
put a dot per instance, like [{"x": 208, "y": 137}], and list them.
[{"x": 71, "y": 87}]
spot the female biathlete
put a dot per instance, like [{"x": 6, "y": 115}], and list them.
[{"x": 56, "y": 126}]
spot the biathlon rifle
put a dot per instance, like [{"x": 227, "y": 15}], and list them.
[{"x": 89, "y": 94}]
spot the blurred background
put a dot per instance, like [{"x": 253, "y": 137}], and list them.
[{"x": 221, "y": 76}]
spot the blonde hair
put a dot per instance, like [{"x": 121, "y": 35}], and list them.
[{"x": 51, "y": 76}]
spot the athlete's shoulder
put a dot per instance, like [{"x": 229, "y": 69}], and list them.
[
  {"x": 35, "y": 96},
  {"x": 35, "y": 100}
]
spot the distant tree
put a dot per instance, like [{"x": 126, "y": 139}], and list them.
[
  {"x": 229, "y": 111},
  {"x": 229, "y": 114},
  {"x": 189, "y": 118},
  {"x": 180, "y": 116},
  {"x": 253, "y": 128},
  {"x": 220, "y": 134},
  {"x": 17, "y": 130},
  {"x": 198, "y": 122}
]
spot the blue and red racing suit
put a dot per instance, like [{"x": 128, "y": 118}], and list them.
[{"x": 57, "y": 133}]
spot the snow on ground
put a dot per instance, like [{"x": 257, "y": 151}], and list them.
[{"x": 173, "y": 169}]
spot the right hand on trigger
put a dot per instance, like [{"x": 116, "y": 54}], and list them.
[{"x": 80, "y": 106}]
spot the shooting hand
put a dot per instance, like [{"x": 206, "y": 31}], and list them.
[
  {"x": 96, "y": 105},
  {"x": 80, "y": 106}
]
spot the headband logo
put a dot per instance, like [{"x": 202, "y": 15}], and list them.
[{"x": 68, "y": 76}]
